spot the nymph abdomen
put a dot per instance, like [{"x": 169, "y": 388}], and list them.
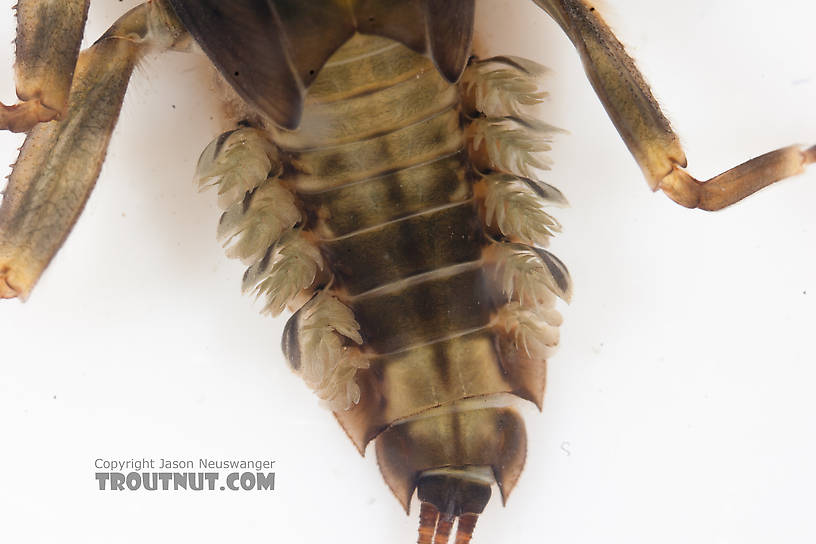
[
  {"x": 381, "y": 167},
  {"x": 391, "y": 220}
]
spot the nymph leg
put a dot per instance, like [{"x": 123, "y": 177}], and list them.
[
  {"x": 60, "y": 160},
  {"x": 646, "y": 131},
  {"x": 49, "y": 33}
]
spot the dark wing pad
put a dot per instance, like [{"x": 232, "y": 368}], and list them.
[
  {"x": 313, "y": 30},
  {"x": 271, "y": 50},
  {"x": 442, "y": 28},
  {"x": 400, "y": 20},
  {"x": 243, "y": 40},
  {"x": 450, "y": 33}
]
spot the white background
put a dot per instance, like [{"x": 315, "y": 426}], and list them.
[{"x": 679, "y": 409}]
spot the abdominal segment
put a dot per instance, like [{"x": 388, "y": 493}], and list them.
[{"x": 402, "y": 223}]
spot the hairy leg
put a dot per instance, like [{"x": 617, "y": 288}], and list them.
[
  {"x": 49, "y": 33},
  {"x": 646, "y": 131},
  {"x": 60, "y": 160}
]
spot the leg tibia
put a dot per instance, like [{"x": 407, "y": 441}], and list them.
[
  {"x": 60, "y": 161},
  {"x": 735, "y": 184},
  {"x": 646, "y": 131}
]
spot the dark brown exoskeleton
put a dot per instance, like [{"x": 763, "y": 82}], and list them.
[{"x": 382, "y": 184}]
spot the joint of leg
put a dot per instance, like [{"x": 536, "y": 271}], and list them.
[
  {"x": 681, "y": 187},
  {"x": 810, "y": 155},
  {"x": 16, "y": 280},
  {"x": 25, "y": 115},
  {"x": 152, "y": 25},
  {"x": 735, "y": 184},
  {"x": 7, "y": 290}
]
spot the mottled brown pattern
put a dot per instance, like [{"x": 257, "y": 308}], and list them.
[
  {"x": 424, "y": 312},
  {"x": 394, "y": 213},
  {"x": 381, "y": 199},
  {"x": 406, "y": 247}
]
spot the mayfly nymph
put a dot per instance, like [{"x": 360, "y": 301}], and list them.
[{"x": 383, "y": 184}]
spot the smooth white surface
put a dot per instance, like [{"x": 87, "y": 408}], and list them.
[{"x": 679, "y": 409}]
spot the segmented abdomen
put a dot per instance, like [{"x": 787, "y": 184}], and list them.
[
  {"x": 428, "y": 308},
  {"x": 382, "y": 173}
]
